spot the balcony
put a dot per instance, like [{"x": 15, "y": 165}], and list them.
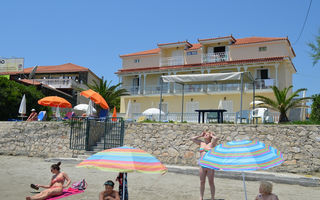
[
  {"x": 171, "y": 61},
  {"x": 60, "y": 83},
  {"x": 215, "y": 57},
  {"x": 261, "y": 84}
]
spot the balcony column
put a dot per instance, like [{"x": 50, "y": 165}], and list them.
[
  {"x": 245, "y": 85},
  {"x": 174, "y": 84},
  {"x": 202, "y": 72},
  {"x": 139, "y": 88},
  {"x": 208, "y": 88},
  {"x": 238, "y": 68},
  {"x": 169, "y": 73},
  {"x": 144, "y": 83},
  {"x": 227, "y": 53},
  {"x": 276, "y": 68}
]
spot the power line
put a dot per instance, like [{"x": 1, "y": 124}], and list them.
[{"x": 304, "y": 23}]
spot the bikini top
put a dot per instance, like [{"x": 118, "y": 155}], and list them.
[
  {"x": 55, "y": 180},
  {"x": 203, "y": 149}
]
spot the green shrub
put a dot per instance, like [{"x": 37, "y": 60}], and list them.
[
  {"x": 315, "y": 108},
  {"x": 11, "y": 94}
]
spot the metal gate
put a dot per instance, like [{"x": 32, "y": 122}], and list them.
[{"x": 87, "y": 132}]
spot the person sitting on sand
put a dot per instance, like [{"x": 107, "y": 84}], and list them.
[
  {"x": 56, "y": 185},
  {"x": 265, "y": 191},
  {"x": 109, "y": 193},
  {"x": 33, "y": 116}
]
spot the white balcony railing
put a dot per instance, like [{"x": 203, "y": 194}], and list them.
[
  {"x": 215, "y": 57},
  {"x": 60, "y": 83},
  {"x": 170, "y": 61},
  {"x": 177, "y": 88}
]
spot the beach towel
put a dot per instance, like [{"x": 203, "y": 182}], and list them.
[{"x": 66, "y": 193}]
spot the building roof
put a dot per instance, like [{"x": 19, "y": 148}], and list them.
[
  {"x": 64, "y": 68},
  {"x": 250, "y": 40},
  {"x": 223, "y": 63},
  {"x": 30, "y": 82},
  {"x": 240, "y": 41}
]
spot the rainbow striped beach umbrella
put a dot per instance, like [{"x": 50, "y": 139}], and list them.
[
  {"x": 242, "y": 156},
  {"x": 124, "y": 159}
]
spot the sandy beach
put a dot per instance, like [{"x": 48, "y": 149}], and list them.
[{"x": 17, "y": 173}]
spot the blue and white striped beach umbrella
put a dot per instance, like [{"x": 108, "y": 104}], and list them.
[{"x": 242, "y": 156}]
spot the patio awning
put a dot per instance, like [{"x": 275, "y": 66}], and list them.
[{"x": 230, "y": 77}]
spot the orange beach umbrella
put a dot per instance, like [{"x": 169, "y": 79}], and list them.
[
  {"x": 55, "y": 101},
  {"x": 95, "y": 97}
]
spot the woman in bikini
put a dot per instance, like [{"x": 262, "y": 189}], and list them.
[
  {"x": 56, "y": 185},
  {"x": 210, "y": 141}
]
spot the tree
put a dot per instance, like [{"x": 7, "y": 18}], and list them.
[
  {"x": 11, "y": 94},
  {"x": 283, "y": 101},
  {"x": 111, "y": 93},
  {"x": 315, "y": 48},
  {"x": 315, "y": 108}
]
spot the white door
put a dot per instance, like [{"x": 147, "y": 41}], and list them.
[
  {"x": 226, "y": 104},
  {"x": 164, "y": 107},
  {"x": 136, "y": 107},
  {"x": 191, "y": 107},
  {"x": 177, "y": 57},
  {"x": 210, "y": 54}
]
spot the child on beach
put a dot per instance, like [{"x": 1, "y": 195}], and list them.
[
  {"x": 265, "y": 191},
  {"x": 109, "y": 193}
]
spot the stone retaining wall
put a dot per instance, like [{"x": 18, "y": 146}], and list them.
[
  {"x": 171, "y": 143},
  {"x": 38, "y": 139}
]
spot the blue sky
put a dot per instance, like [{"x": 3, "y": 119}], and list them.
[{"x": 94, "y": 33}]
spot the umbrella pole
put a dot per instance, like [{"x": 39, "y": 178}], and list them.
[
  {"x": 244, "y": 185},
  {"x": 124, "y": 185}
]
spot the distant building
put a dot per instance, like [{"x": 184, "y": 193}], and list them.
[
  {"x": 62, "y": 80},
  {"x": 267, "y": 58}
]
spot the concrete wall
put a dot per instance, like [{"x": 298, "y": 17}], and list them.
[
  {"x": 171, "y": 143},
  {"x": 38, "y": 139}
]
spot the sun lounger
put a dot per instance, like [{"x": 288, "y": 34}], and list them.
[{"x": 42, "y": 116}]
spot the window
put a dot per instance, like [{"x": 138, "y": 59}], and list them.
[
  {"x": 262, "y": 74},
  {"x": 262, "y": 48},
  {"x": 189, "y": 53},
  {"x": 136, "y": 60}
]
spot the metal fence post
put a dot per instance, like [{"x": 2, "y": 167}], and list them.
[
  {"x": 121, "y": 132},
  {"x": 87, "y": 134}
]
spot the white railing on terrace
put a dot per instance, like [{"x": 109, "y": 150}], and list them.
[
  {"x": 189, "y": 88},
  {"x": 228, "y": 117},
  {"x": 59, "y": 83},
  {"x": 215, "y": 57},
  {"x": 132, "y": 90},
  {"x": 170, "y": 61}
]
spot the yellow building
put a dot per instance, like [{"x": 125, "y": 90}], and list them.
[{"x": 267, "y": 59}]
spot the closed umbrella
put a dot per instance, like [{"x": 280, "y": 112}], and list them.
[
  {"x": 124, "y": 159},
  {"x": 95, "y": 97},
  {"x": 89, "y": 111},
  {"x": 242, "y": 156},
  {"x": 114, "y": 115},
  {"x": 129, "y": 110},
  {"x": 23, "y": 109}
]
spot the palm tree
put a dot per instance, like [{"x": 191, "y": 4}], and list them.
[
  {"x": 283, "y": 101},
  {"x": 111, "y": 93},
  {"x": 315, "y": 48}
]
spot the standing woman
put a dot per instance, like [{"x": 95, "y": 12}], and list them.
[
  {"x": 56, "y": 185},
  {"x": 210, "y": 141}
]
